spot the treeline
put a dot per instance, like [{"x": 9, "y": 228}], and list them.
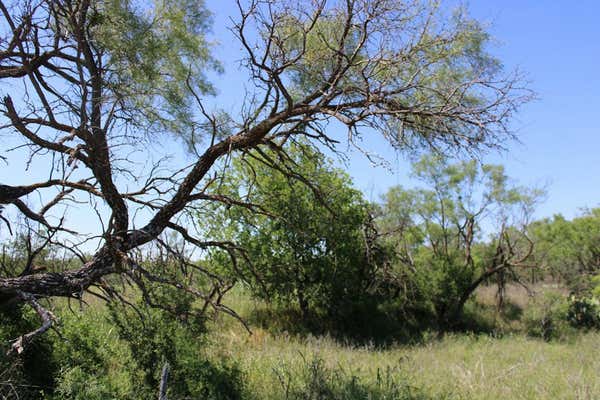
[{"x": 410, "y": 261}]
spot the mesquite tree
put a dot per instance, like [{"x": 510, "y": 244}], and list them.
[
  {"x": 306, "y": 251},
  {"x": 468, "y": 225},
  {"x": 87, "y": 83}
]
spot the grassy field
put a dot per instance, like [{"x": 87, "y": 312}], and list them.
[
  {"x": 457, "y": 366},
  {"x": 279, "y": 365},
  {"x": 465, "y": 367}
]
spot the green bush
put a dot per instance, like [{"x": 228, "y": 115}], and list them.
[
  {"x": 546, "y": 317},
  {"x": 584, "y": 312},
  {"x": 29, "y": 375},
  {"x": 93, "y": 361},
  {"x": 114, "y": 354},
  {"x": 120, "y": 354},
  {"x": 157, "y": 337},
  {"x": 309, "y": 249},
  {"x": 78, "y": 384}
]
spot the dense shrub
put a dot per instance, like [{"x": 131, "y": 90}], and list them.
[
  {"x": 437, "y": 232},
  {"x": 570, "y": 248},
  {"x": 546, "y": 317},
  {"x": 308, "y": 249},
  {"x": 93, "y": 361},
  {"x": 31, "y": 374},
  {"x": 584, "y": 312},
  {"x": 117, "y": 354},
  {"x": 156, "y": 337}
]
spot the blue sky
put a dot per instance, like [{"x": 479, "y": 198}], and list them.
[{"x": 557, "y": 43}]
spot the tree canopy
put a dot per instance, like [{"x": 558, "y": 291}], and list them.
[
  {"x": 89, "y": 82},
  {"x": 308, "y": 245},
  {"x": 570, "y": 250},
  {"x": 468, "y": 224}
]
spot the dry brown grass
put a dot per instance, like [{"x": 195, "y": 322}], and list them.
[{"x": 517, "y": 294}]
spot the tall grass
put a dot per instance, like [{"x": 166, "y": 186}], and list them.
[
  {"x": 459, "y": 366},
  {"x": 276, "y": 364}
]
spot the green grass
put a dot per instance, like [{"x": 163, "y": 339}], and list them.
[
  {"x": 277, "y": 364},
  {"x": 462, "y": 366}
]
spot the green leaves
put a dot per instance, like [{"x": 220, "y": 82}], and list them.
[
  {"x": 570, "y": 249},
  {"x": 439, "y": 230},
  {"x": 310, "y": 249},
  {"x": 312, "y": 49},
  {"x": 154, "y": 55}
]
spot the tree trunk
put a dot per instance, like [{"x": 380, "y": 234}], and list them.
[
  {"x": 303, "y": 303},
  {"x": 164, "y": 377}
]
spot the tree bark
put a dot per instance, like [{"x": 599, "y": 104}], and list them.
[{"x": 164, "y": 377}]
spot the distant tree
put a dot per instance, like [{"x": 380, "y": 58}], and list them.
[
  {"x": 570, "y": 250},
  {"x": 439, "y": 233},
  {"x": 89, "y": 87}
]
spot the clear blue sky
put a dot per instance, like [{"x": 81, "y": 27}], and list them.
[{"x": 557, "y": 43}]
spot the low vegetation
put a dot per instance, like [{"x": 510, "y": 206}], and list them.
[{"x": 95, "y": 357}]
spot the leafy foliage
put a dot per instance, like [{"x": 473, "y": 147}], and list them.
[
  {"x": 154, "y": 54},
  {"x": 546, "y": 317},
  {"x": 116, "y": 354},
  {"x": 157, "y": 336},
  {"x": 33, "y": 373},
  {"x": 584, "y": 312},
  {"x": 570, "y": 250},
  {"x": 92, "y": 360},
  {"x": 437, "y": 232},
  {"x": 310, "y": 250}
]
